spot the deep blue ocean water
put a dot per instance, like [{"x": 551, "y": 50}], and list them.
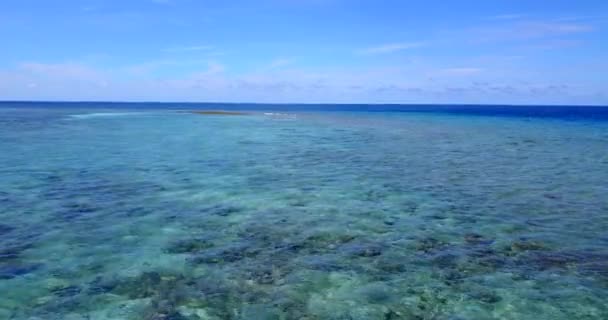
[
  {"x": 148, "y": 211},
  {"x": 561, "y": 112}
]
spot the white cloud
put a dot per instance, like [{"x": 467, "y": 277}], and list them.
[
  {"x": 65, "y": 70},
  {"x": 215, "y": 67},
  {"x": 555, "y": 44},
  {"x": 552, "y": 28},
  {"x": 390, "y": 48},
  {"x": 528, "y": 30},
  {"x": 280, "y": 62},
  {"x": 209, "y": 82},
  {"x": 460, "y": 71},
  {"x": 507, "y": 16},
  {"x": 146, "y": 69}
]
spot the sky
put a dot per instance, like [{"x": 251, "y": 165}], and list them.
[{"x": 306, "y": 51}]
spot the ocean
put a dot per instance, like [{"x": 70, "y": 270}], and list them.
[{"x": 149, "y": 211}]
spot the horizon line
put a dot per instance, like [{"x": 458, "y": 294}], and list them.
[{"x": 307, "y": 103}]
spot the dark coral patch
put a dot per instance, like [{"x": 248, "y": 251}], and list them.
[
  {"x": 524, "y": 245},
  {"x": 476, "y": 239},
  {"x": 68, "y": 291},
  {"x": 362, "y": 249},
  {"x": 428, "y": 245},
  {"x": 221, "y": 210},
  {"x": 12, "y": 270},
  {"x": 189, "y": 246},
  {"x": 13, "y": 252},
  {"x": 226, "y": 254},
  {"x": 5, "y": 229}
]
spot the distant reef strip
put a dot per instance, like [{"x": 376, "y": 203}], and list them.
[{"x": 219, "y": 112}]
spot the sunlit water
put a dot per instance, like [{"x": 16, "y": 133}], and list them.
[{"x": 160, "y": 215}]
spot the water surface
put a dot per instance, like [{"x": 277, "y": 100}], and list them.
[{"x": 148, "y": 213}]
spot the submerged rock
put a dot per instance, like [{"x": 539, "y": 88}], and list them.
[
  {"x": 13, "y": 252},
  {"x": 426, "y": 303},
  {"x": 391, "y": 264},
  {"x": 265, "y": 234},
  {"x": 226, "y": 254},
  {"x": 12, "y": 270},
  {"x": 259, "y": 312},
  {"x": 266, "y": 274},
  {"x": 189, "y": 246},
  {"x": 377, "y": 293},
  {"x": 493, "y": 262},
  {"x": 485, "y": 296},
  {"x": 323, "y": 241},
  {"x": 362, "y": 249},
  {"x": 4, "y": 229},
  {"x": 101, "y": 286},
  {"x": 146, "y": 285},
  {"x": 221, "y": 210},
  {"x": 452, "y": 277},
  {"x": 81, "y": 208},
  {"x": 160, "y": 309},
  {"x": 389, "y": 221},
  {"x": 597, "y": 269},
  {"x": 428, "y": 245},
  {"x": 213, "y": 287},
  {"x": 551, "y": 260},
  {"x": 68, "y": 291},
  {"x": 166, "y": 292},
  {"x": 75, "y": 211},
  {"x": 544, "y": 260},
  {"x": 4, "y": 197},
  {"x": 445, "y": 260},
  {"x": 8, "y": 256},
  {"x": 523, "y": 246},
  {"x": 173, "y": 315},
  {"x": 476, "y": 239},
  {"x": 326, "y": 263}
]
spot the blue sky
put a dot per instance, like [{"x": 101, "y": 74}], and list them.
[{"x": 341, "y": 51}]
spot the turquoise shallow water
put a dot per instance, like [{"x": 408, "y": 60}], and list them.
[{"x": 157, "y": 214}]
